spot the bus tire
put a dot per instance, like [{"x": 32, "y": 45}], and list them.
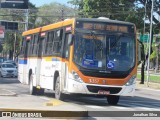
[
  {"x": 58, "y": 94},
  {"x": 32, "y": 89},
  {"x": 112, "y": 99}
]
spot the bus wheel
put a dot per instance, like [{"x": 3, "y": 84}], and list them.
[
  {"x": 112, "y": 100},
  {"x": 32, "y": 89},
  {"x": 58, "y": 94}
]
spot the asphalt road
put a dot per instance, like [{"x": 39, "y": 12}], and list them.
[{"x": 144, "y": 100}]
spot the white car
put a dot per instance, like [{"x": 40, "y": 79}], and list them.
[
  {"x": 8, "y": 70},
  {"x": 11, "y": 61}
]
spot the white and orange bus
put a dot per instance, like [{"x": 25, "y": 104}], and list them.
[{"x": 80, "y": 56}]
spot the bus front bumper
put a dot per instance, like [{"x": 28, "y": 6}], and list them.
[{"x": 83, "y": 88}]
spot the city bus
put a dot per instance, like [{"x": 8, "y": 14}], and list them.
[{"x": 82, "y": 56}]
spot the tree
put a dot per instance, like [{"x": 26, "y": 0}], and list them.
[
  {"x": 53, "y": 12},
  {"x": 115, "y": 9},
  {"x": 9, "y": 41},
  {"x": 125, "y": 10}
]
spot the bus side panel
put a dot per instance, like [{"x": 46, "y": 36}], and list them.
[
  {"x": 48, "y": 67},
  {"x": 46, "y": 74},
  {"x": 21, "y": 67}
]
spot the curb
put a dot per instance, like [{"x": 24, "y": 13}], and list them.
[{"x": 154, "y": 86}]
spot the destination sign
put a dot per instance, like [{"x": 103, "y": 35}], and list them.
[
  {"x": 108, "y": 27},
  {"x": 96, "y": 37}
]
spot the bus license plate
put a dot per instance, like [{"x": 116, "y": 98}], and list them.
[{"x": 103, "y": 92}]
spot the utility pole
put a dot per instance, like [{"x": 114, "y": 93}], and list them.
[
  {"x": 157, "y": 50},
  {"x": 150, "y": 42},
  {"x": 15, "y": 40},
  {"x": 144, "y": 17},
  {"x": 62, "y": 17},
  {"x": 26, "y": 21},
  {"x": 143, "y": 61}
]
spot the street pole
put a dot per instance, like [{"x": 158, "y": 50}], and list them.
[
  {"x": 62, "y": 17},
  {"x": 26, "y": 21},
  {"x": 150, "y": 43},
  {"x": 143, "y": 60},
  {"x": 144, "y": 17},
  {"x": 14, "y": 53}
]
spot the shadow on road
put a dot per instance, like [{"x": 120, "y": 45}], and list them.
[{"x": 136, "y": 101}]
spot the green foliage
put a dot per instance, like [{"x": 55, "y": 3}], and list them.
[
  {"x": 124, "y": 10},
  {"x": 53, "y": 12},
  {"x": 153, "y": 56},
  {"x": 9, "y": 40}
]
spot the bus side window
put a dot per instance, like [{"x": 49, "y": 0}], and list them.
[
  {"x": 66, "y": 46},
  {"x": 35, "y": 45},
  {"x": 26, "y": 51},
  {"x": 22, "y": 46},
  {"x": 32, "y": 44},
  {"x": 57, "y": 43},
  {"x": 49, "y": 41}
]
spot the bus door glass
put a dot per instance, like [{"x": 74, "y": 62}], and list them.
[
  {"x": 26, "y": 52},
  {"x": 41, "y": 41},
  {"x": 66, "y": 54}
]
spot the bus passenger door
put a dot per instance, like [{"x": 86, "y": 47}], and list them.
[
  {"x": 39, "y": 59},
  {"x": 26, "y": 52},
  {"x": 66, "y": 54}
]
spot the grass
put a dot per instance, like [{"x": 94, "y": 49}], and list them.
[{"x": 152, "y": 78}]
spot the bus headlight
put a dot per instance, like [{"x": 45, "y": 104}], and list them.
[
  {"x": 131, "y": 81},
  {"x": 76, "y": 77}
]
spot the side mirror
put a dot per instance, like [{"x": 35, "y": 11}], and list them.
[{"x": 70, "y": 39}]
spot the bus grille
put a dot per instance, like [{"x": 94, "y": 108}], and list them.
[{"x": 95, "y": 89}]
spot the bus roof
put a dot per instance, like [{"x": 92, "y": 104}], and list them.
[
  {"x": 49, "y": 27},
  {"x": 70, "y": 21},
  {"x": 104, "y": 20}
]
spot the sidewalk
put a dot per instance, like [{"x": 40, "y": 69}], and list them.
[
  {"x": 150, "y": 85},
  {"x": 9, "y": 101}
]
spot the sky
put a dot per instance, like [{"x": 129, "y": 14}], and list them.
[{"x": 42, "y": 2}]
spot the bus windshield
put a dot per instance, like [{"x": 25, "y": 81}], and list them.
[{"x": 104, "y": 52}]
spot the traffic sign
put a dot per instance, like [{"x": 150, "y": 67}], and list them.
[
  {"x": 9, "y": 25},
  {"x": 2, "y": 29},
  {"x": 144, "y": 38},
  {"x": 18, "y": 4}
]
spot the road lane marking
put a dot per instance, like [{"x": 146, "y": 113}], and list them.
[
  {"x": 54, "y": 102},
  {"x": 148, "y": 109},
  {"x": 149, "y": 89},
  {"x": 122, "y": 108},
  {"x": 140, "y": 106},
  {"x": 44, "y": 98},
  {"x": 138, "y": 101},
  {"x": 94, "y": 106}
]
